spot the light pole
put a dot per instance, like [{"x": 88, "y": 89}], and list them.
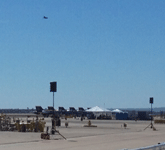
[
  {"x": 151, "y": 102},
  {"x": 53, "y": 88}
]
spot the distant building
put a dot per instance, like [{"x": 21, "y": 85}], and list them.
[
  {"x": 143, "y": 115},
  {"x": 16, "y": 110},
  {"x": 121, "y": 116}
]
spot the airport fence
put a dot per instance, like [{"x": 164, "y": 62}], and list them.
[{"x": 160, "y": 146}]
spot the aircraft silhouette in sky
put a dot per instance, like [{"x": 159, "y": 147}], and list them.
[{"x": 45, "y": 17}]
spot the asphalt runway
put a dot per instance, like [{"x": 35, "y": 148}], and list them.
[{"x": 108, "y": 135}]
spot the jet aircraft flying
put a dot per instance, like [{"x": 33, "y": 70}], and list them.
[{"x": 45, "y": 17}]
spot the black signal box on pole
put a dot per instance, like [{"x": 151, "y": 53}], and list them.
[
  {"x": 53, "y": 86},
  {"x": 151, "y": 100}
]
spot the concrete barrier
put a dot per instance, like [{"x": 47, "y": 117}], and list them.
[{"x": 159, "y": 146}]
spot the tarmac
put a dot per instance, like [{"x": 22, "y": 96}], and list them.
[{"x": 108, "y": 135}]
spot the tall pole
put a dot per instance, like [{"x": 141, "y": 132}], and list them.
[
  {"x": 53, "y": 88},
  {"x": 151, "y": 102},
  {"x": 53, "y": 104},
  {"x": 151, "y": 115}
]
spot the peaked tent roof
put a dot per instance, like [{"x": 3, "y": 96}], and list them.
[
  {"x": 98, "y": 109},
  {"x": 117, "y": 111}
]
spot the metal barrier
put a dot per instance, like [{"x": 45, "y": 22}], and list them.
[{"x": 159, "y": 146}]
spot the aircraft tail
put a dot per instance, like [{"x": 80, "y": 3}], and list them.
[{"x": 39, "y": 109}]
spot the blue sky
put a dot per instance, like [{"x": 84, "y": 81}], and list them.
[{"x": 101, "y": 52}]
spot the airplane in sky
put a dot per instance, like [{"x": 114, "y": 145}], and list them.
[{"x": 45, "y": 17}]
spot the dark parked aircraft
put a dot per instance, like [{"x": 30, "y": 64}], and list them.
[
  {"x": 44, "y": 112},
  {"x": 38, "y": 110},
  {"x": 45, "y": 17},
  {"x": 61, "y": 111}
]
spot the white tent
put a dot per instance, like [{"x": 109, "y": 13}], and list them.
[
  {"x": 117, "y": 111},
  {"x": 97, "y": 111}
]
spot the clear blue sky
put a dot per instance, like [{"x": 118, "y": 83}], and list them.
[{"x": 100, "y": 52}]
